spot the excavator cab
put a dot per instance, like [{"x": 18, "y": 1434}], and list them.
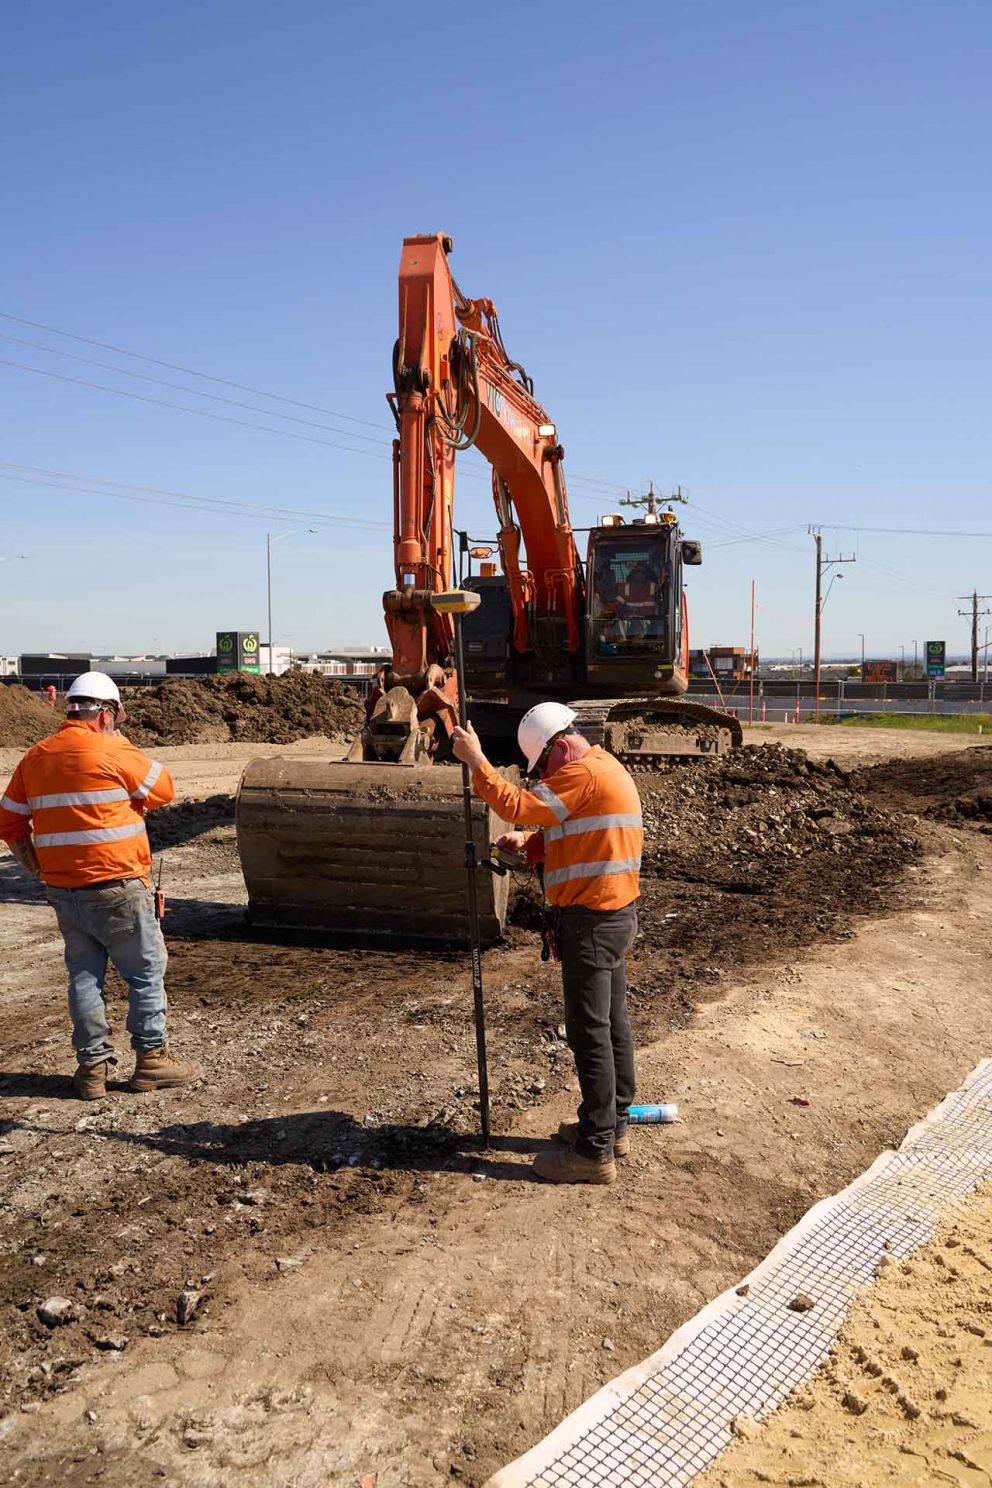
[{"x": 635, "y": 630}]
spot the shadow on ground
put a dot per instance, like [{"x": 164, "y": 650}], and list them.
[
  {"x": 17, "y": 886},
  {"x": 171, "y": 826},
  {"x": 321, "y": 1140}
]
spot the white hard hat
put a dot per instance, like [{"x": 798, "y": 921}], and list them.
[
  {"x": 94, "y": 686},
  {"x": 539, "y": 726}
]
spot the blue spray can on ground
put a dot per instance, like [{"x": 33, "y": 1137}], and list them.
[{"x": 660, "y": 1114}]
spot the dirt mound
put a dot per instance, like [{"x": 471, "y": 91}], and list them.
[
  {"x": 762, "y": 848},
  {"x": 954, "y": 788},
  {"x": 255, "y": 710},
  {"x": 24, "y": 718}
]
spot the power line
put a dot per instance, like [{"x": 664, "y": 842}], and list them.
[
  {"x": 182, "y": 387},
  {"x": 191, "y": 505},
  {"x": 189, "y": 371},
  {"x": 221, "y": 381},
  {"x": 162, "y": 496},
  {"x": 222, "y": 418},
  {"x": 906, "y": 531}
]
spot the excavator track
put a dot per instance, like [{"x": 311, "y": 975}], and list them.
[
  {"x": 368, "y": 854},
  {"x": 658, "y": 731}
]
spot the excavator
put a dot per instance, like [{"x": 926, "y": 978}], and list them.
[{"x": 372, "y": 848}]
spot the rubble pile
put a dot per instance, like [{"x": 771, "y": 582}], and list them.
[
  {"x": 253, "y": 709},
  {"x": 763, "y": 847},
  {"x": 755, "y": 812}
]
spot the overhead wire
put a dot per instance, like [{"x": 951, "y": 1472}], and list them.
[
  {"x": 596, "y": 484},
  {"x": 188, "y": 371},
  {"x": 182, "y": 387},
  {"x": 209, "y": 377},
  {"x": 163, "y": 496},
  {"x": 223, "y": 418}
]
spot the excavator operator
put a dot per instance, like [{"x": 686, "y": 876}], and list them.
[
  {"x": 589, "y": 834},
  {"x": 639, "y": 596}
]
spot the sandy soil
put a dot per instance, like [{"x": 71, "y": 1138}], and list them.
[
  {"x": 905, "y": 1396},
  {"x": 376, "y": 1295},
  {"x": 861, "y": 746}
]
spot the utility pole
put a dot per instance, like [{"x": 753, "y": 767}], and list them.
[
  {"x": 822, "y": 564},
  {"x": 974, "y": 612},
  {"x": 750, "y": 710}
]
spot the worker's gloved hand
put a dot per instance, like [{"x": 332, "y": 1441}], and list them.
[{"x": 466, "y": 746}]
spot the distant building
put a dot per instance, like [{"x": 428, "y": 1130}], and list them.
[
  {"x": 362, "y": 661},
  {"x": 123, "y": 667},
  {"x": 730, "y": 663}
]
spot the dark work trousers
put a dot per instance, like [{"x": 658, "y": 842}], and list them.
[{"x": 594, "y": 946}]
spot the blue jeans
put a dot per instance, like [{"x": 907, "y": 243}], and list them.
[{"x": 115, "y": 924}]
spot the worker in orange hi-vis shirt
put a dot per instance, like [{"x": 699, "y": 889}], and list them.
[
  {"x": 589, "y": 834},
  {"x": 73, "y": 815}
]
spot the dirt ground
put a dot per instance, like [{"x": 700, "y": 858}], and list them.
[
  {"x": 905, "y": 1396},
  {"x": 374, "y": 1294}
]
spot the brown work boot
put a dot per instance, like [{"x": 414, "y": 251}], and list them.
[
  {"x": 155, "y": 1069},
  {"x": 565, "y": 1165},
  {"x": 90, "y": 1080},
  {"x": 568, "y": 1132}
]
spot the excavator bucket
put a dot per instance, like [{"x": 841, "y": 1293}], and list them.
[{"x": 365, "y": 853}]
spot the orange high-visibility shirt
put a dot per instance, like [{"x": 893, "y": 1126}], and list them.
[
  {"x": 640, "y": 596},
  {"x": 590, "y": 814},
  {"x": 82, "y": 795}
]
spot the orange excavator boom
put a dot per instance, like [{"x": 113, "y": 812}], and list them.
[{"x": 455, "y": 386}]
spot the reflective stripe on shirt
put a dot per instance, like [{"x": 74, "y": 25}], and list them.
[
  {"x": 96, "y": 834},
  {"x": 554, "y": 803},
  {"x": 18, "y": 807},
  {"x": 79, "y": 798},
  {"x": 602, "y": 869},
  {"x": 148, "y": 781},
  {"x": 595, "y": 824}
]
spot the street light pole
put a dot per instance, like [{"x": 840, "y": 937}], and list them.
[
  {"x": 269, "y": 542},
  {"x": 268, "y": 578},
  {"x": 861, "y": 634}
]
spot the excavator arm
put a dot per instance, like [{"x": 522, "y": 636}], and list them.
[{"x": 456, "y": 386}]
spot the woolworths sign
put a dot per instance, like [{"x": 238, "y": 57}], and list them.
[{"x": 237, "y": 651}]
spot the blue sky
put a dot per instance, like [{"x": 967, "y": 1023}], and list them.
[{"x": 742, "y": 248}]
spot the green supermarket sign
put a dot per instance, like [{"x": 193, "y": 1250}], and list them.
[
  {"x": 237, "y": 651},
  {"x": 936, "y": 658}
]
